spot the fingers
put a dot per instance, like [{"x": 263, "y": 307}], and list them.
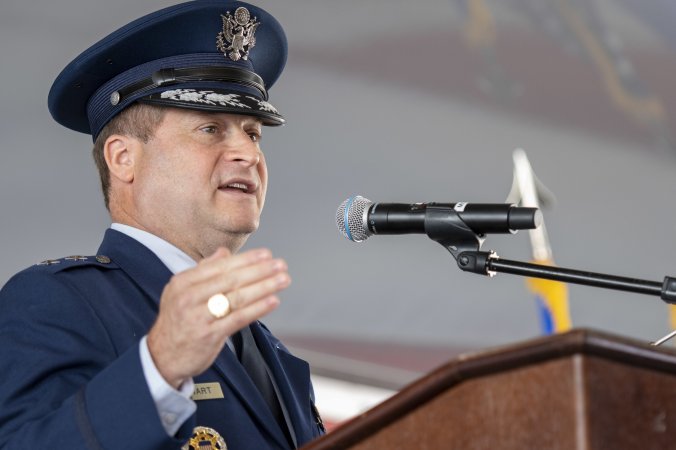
[
  {"x": 243, "y": 285},
  {"x": 242, "y": 317},
  {"x": 241, "y": 297},
  {"x": 222, "y": 261},
  {"x": 226, "y": 272},
  {"x": 243, "y": 278}
]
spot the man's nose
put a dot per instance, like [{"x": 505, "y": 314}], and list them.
[{"x": 244, "y": 150}]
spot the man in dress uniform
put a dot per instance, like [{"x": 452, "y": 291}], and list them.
[{"x": 154, "y": 342}]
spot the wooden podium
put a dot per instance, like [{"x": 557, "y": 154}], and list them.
[{"x": 581, "y": 390}]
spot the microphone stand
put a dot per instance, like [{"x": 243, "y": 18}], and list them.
[
  {"x": 464, "y": 244},
  {"x": 488, "y": 263}
]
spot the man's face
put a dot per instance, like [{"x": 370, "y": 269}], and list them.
[{"x": 200, "y": 181}]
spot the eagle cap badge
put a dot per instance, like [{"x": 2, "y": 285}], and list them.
[{"x": 237, "y": 37}]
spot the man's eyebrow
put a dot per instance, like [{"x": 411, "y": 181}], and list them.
[{"x": 220, "y": 117}]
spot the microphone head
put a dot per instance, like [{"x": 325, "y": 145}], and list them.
[{"x": 351, "y": 218}]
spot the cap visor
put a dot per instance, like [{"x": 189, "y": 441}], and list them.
[{"x": 216, "y": 100}]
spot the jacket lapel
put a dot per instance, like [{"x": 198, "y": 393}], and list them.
[
  {"x": 137, "y": 261},
  {"x": 292, "y": 378},
  {"x": 236, "y": 377}
]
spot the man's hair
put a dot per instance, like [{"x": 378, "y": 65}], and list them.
[{"x": 138, "y": 121}]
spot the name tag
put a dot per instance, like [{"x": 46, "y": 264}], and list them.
[{"x": 207, "y": 391}]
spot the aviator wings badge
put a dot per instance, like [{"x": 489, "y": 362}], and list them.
[{"x": 237, "y": 37}]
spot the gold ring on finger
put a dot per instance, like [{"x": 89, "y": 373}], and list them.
[{"x": 218, "y": 305}]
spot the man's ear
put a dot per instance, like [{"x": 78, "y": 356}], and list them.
[{"x": 120, "y": 152}]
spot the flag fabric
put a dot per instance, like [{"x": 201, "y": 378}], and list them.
[
  {"x": 551, "y": 296},
  {"x": 552, "y": 302},
  {"x": 672, "y": 317}
]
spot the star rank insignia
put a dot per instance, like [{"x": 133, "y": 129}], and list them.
[
  {"x": 49, "y": 262},
  {"x": 76, "y": 258},
  {"x": 237, "y": 37}
]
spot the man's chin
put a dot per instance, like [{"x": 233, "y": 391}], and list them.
[{"x": 242, "y": 229}]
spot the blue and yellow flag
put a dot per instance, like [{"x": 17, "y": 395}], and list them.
[
  {"x": 551, "y": 296},
  {"x": 552, "y": 302}
]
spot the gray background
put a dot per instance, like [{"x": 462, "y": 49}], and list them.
[{"x": 387, "y": 99}]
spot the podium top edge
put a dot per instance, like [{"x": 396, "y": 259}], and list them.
[{"x": 577, "y": 341}]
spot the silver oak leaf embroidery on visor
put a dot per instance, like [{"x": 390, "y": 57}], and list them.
[
  {"x": 263, "y": 105},
  {"x": 207, "y": 97}
]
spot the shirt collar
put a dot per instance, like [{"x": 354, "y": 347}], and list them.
[{"x": 174, "y": 258}]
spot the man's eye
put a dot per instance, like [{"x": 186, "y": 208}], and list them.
[
  {"x": 255, "y": 137},
  {"x": 209, "y": 129}
]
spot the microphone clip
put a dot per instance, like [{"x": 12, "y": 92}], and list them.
[{"x": 444, "y": 225}]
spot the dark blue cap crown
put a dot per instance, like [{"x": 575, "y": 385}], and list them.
[{"x": 213, "y": 55}]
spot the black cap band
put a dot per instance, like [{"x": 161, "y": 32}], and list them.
[{"x": 167, "y": 77}]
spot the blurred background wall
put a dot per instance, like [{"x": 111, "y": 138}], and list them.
[{"x": 401, "y": 102}]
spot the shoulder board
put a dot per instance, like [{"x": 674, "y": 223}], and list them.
[{"x": 76, "y": 261}]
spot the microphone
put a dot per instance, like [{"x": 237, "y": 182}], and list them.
[{"x": 359, "y": 218}]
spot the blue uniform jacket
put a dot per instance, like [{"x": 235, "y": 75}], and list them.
[{"x": 71, "y": 375}]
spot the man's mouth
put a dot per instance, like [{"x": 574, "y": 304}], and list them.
[{"x": 240, "y": 186}]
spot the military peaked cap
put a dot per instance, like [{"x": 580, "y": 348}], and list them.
[{"x": 212, "y": 55}]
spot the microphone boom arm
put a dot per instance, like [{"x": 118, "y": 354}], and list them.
[
  {"x": 446, "y": 228},
  {"x": 473, "y": 262}
]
